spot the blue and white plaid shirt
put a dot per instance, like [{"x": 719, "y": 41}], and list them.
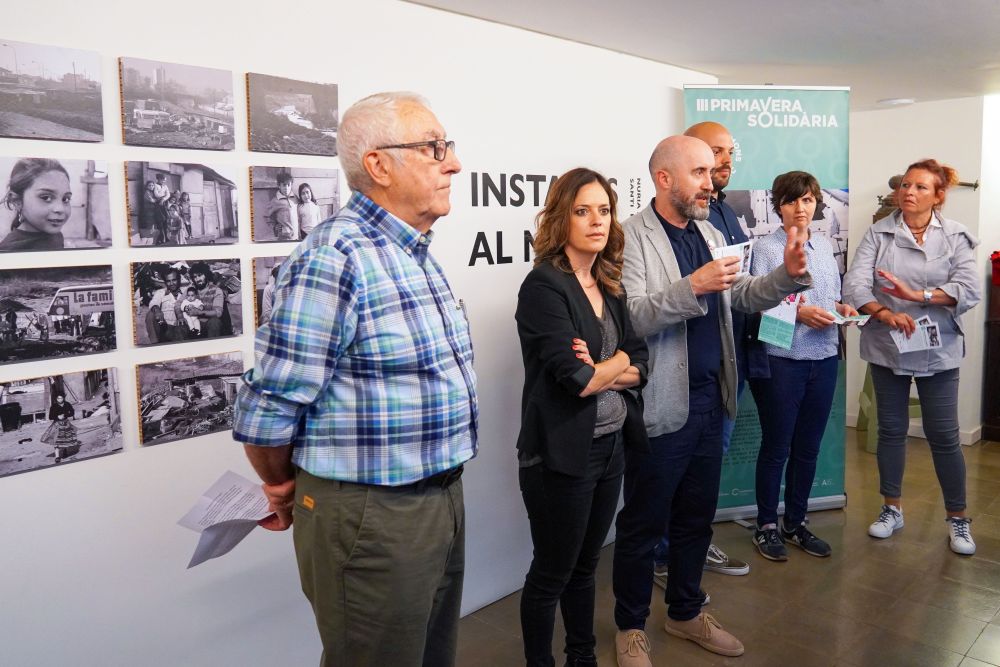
[{"x": 366, "y": 363}]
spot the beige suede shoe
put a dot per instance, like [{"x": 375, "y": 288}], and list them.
[
  {"x": 632, "y": 647},
  {"x": 706, "y": 632}
]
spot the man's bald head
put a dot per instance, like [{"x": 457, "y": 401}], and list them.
[
  {"x": 671, "y": 154},
  {"x": 720, "y": 141},
  {"x": 681, "y": 167}
]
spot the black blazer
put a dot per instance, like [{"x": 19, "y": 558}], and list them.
[{"x": 556, "y": 424}]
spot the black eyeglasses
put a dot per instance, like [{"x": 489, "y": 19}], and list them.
[{"x": 441, "y": 147}]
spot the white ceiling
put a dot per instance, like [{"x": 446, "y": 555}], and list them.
[{"x": 927, "y": 50}]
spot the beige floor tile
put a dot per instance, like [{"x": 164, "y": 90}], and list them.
[
  {"x": 905, "y": 601},
  {"x": 987, "y": 647}
]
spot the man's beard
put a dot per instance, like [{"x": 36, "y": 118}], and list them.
[{"x": 689, "y": 208}]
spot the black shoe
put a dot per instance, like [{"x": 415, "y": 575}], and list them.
[
  {"x": 805, "y": 540},
  {"x": 769, "y": 543},
  {"x": 581, "y": 660}
]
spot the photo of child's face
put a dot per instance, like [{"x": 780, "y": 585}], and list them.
[
  {"x": 285, "y": 188},
  {"x": 45, "y": 206},
  {"x": 307, "y": 195}
]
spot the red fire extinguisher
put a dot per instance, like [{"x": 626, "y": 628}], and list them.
[{"x": 995, "y": 259}]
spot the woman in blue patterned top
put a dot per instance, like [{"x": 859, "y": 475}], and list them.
[{"x": 794, "y": 403}]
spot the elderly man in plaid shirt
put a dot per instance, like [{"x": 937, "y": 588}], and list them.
[{"x": 362, "y": 407}]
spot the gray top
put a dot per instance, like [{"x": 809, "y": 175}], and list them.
[
  {"x": 947, "y": 261},
  {"x": 610, "y": 404}
]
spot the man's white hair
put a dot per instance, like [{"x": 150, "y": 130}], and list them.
[{"x": 371, "y": 122}]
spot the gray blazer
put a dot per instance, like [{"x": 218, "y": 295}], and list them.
[
  {"x": 946, "y": 260},
  {"x": 660, "y": 302}
]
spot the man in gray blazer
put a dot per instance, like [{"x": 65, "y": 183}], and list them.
[{"x": 679, "y": 298}]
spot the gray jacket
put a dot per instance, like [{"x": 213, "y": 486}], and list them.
[
  {"x": 946, "y": 260},
  {"x": 660, "y": 302}
]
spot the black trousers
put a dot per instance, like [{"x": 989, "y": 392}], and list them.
[
  {"x": 675, "y": 487},
  {"x": 570, "y": 518}
]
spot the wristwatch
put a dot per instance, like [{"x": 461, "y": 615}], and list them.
[{"x": 928, "y": 295}]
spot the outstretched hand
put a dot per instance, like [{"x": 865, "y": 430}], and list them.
[
  {"x": 795, "y": 255},
  {"x": 898, "y": 288}
]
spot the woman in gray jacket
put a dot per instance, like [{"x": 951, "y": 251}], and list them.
[{"x": 925, "y": 268}]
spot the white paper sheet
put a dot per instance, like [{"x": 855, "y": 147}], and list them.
[
  {"x": 224, "y": 515},
  {"x": 927, "y": 336},
  {"x": 742, "y": 250}
]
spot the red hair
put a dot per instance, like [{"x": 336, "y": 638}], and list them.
[{"x": 944, "y": 176}]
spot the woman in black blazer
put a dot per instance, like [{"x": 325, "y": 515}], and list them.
[{"x": 580, "y": 408}]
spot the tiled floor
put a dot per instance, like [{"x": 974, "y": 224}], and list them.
[{"x": 906, "y": 601}]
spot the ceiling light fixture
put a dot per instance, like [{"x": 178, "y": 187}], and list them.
[{"x": 895, "y": 101}]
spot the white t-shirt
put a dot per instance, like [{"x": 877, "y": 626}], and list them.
[{"x": 165, "y": 300}]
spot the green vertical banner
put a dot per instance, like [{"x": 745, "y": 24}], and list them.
[{"x": 776, "y": 130}]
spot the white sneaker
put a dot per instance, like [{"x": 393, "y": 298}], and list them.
[
  {"x": 889, "y": 520},
  {"x": 961, "y": 538}
]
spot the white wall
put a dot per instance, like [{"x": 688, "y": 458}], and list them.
[
  {"x": 883, "y": 143},
  {"x": 989, "y": 208},
  {"x": 92, "y": 563}
]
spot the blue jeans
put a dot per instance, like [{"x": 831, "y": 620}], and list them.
[
  {"x": 939, "y": 412},
  {"x": 674, "y": 485},
  {"x": 794, "y": 406},
  {"x": 662, "y": 550},
  {"x": 569, "y": 518}
]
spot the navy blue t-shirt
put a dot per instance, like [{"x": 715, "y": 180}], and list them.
[{"x": 704, "y": 342}]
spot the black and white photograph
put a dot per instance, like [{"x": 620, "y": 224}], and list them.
[
  {"x": 186, "y": 300},
  {"x": 54, "y": 204},
  {"x": 184, "y": 398},
  {"x": 178, "y": 203},
  {"x": 265, "y": 273},
  {"x": 289, "y": 116},
  {"x": 286, "y": 203},
  {"x": 176, "y": 106},
  {"x": 58, "y": 419},
  {"x": 55, "y": 312},
  {"x": 48, "y": 92}
]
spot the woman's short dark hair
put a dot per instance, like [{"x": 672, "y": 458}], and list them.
[
  {"x": 553, "y": 229},
  {"x": 792, "y": 185}
]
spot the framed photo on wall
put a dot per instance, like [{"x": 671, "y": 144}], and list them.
[
  {"x": 49, "y": 92},
  {"x": 286, "y": 203},
  {"x": 54, "y": 204},
  {"x": 57, "y": 419},
  {"x": 179, "y": 203},
  {"x": 176, "y": 106},
  {"x": 184, "y": 398},
  {"x": 265, "y": 272},
  {"x": 55, "y": 312},
  {"x": 290, "y": 116},
  {"x": 177, "y": 301}
]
